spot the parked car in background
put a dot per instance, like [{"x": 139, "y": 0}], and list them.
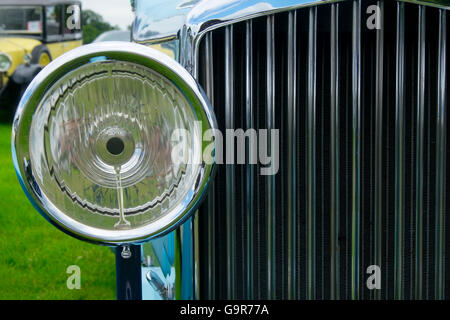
[
  {"x": 114, "y": 35},
  {"x": 32, "y": 34}
]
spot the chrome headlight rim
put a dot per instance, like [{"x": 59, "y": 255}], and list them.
[
  {"x": 8, "y": 57},
  {"x": 120, "y": 51}
]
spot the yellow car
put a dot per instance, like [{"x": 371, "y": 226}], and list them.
[{"x": 32, "y": 34}]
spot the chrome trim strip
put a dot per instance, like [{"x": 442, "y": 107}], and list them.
[
  {"x": 399, "y": 152},
  {"x": 250, "y": 169},
  {"x": 356, "y": 103},
  {"x": 420, "y": 151},
  {"x": 441, "y": 158},
  {"x": 311, "y": 154},
  {"x": 334, "y": 106},
  {"x": 292, "y": 151},
  {"x": 230, "y": 169},
  {"x": 270, "y": 180}
]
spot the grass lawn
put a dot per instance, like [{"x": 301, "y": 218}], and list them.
[{"x": 34, "y": 255}]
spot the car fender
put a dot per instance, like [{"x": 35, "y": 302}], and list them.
[{"x": 24, "y": 73}]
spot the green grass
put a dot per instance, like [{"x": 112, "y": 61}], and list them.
[{"x": 34, "y": 255}]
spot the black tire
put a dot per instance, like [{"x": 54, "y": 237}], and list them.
[
  {"x": 37, "y": 52},
  {"x": 10, "y": 101}
]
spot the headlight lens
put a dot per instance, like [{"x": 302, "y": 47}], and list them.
[
  {"x": 5, "y": 62},
  {"x": 99, "y": 162}
]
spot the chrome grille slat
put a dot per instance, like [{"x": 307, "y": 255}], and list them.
[
  {"x": 399, "y": 151},
  {"x": 334, "y": 109},
  {"x": 311, "y": 154},
  {"x": 250, "y": 168},
  {"x": 356, "y": 145},
  {"x": 379, "y": 141},
  {"x": 230, "y": 170},
  {"x": 420, "y": 150},
  {"x": 363, "y": 178},
  {"x": 291, "y": 174},
  {"x": 270, "y": 179},
  {"x": 441, "y": 157},
  {"x": 209, "y": 88}
]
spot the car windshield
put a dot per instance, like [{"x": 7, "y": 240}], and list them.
[{"x": 22, "y": 20}]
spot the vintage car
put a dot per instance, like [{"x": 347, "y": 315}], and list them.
[
  {"x": 32, "y": 34},
  {"x": 276, "y": 149}
]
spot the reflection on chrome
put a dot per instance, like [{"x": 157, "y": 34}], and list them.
[{"x": 100, "y": 145}]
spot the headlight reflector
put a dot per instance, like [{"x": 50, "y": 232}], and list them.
[{"x": 99, "y": 163}]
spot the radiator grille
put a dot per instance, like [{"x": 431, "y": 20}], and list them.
[{"x": 363, "y": 181}]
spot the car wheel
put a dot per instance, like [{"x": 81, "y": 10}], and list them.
[{"x": 41, "y": 55}]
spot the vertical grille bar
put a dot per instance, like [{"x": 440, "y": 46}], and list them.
[
  {"x": 440, "y": 158},
  {"x": 270, "y": 180},
  {"x": 250, "y": 169},
  {"x": 420, "y": 150},
  {"x": 399, "y": 153},
  {"x": 209, "y": 88},
  {"x": 291, "y": 174},
  {"x": 379, "y": 142},
  {"x": 356, "y": 103},
  {"x": 334, "y": 108},
  {"x": 230, "y": 172},
  {"x": 311, "y": 152}
]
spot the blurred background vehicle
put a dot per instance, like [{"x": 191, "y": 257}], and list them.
[
  {"x": 115, "y": 35},
  {"x": 32, "y": 34}
]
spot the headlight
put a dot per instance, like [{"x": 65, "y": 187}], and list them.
[
  {"x": 5, "y": 62},
  {"x": 27, "y": 58},
  {"x": 93, "y": 143}
]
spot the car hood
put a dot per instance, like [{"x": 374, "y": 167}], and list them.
[{"x": 13, "y": 45}]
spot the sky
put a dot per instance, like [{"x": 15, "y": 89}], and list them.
[{"x": 116, "y": 12}]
